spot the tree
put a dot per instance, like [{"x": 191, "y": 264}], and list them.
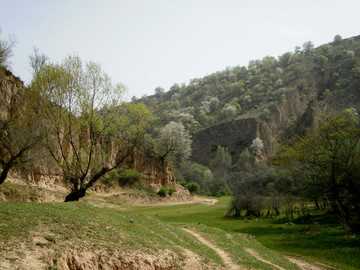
[
  {"x": 6, "y": 47},
  {"x": 37, "y": 61},
  {"x": 257, "y": 146},
  {"x": 19, "y": 130},
  {"x": 194, "y": 172},
  {"x": 192, "y": 187},
  {"x": 174, "y": 140},
  {"x": 328, "y": 158},
  {"x": 89, "y": 131},
  {"x": 337, "y": 39},
  {"x": 308, "y": 47}
]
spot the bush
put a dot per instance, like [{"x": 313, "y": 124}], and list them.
[
  {"x": 122, "y": 177},
  {"x": 223, "y": 192},
  {"x": 111, "y": 179},
  {"x": 162, "y": 192},
  {"x": 193, "y": 187},
  {"x": 129, "y": 177},
  {"x": 171, "y": 191},
  {"x": 183, "y": 183}
]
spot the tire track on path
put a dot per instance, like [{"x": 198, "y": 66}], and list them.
[{"x": 223, "y": 255}]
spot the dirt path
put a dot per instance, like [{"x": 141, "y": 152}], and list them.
[
  {"x": 223, "y": 255},
  {"x": 303, "y": 265},
  {"x": 257, "y": 256}
]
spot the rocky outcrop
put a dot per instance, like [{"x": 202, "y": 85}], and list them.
[
  {"x": 10, "y": 86},
  {"x": 234, "y": 135},
  {"x": 156, "y": 172},
  {"x": 297, "y": 109}
]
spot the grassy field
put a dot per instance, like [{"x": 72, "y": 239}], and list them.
[
  {"x": 81, "y": 226},
  {"x": 318, "y": 237}
]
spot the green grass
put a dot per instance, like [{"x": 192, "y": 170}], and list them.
[
  {"x": 82, "y": 226},
  {"x": 319, "y": 237}
]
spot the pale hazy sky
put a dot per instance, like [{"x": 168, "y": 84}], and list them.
[{"x": 148, "y": 43}]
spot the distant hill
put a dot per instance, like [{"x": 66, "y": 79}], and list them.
[{"x": 272, "y": 98}]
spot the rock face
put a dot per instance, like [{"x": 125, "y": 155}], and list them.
[
  {"x": 234, "y": 135},
  {"x": 155, "y": 171},
  {"x": 297, "y": 109},
  {"x": 9, "y": 87}
]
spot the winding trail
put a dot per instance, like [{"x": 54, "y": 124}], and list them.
[
  {"x": 303, "y": 264},
  {"x": 223, "y": 255},
  {"x": 257, "y": 256}
]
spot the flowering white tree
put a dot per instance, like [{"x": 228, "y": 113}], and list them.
[
  {"x": 174, "y": 140},
  {"x": 257, "y": 146}
]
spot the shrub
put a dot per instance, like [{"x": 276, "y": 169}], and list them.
[
  {"x": 193, "y": 187},
  {"x": 129, "y": 177},
  {"x": 122, "y": 177},
  {"x": 171, "y": 191},
  {"x": 183, "y": 183},
  {"x": 162, "y": 192}
]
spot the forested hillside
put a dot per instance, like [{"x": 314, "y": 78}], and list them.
[
  {"x": 237, "y": 120},
  {"x": 328, "y": 74}
]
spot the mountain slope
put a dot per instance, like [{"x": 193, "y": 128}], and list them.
[{"x": 279, "y": 96}]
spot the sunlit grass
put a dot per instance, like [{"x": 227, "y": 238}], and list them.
[{"x": 319, "y": 237}]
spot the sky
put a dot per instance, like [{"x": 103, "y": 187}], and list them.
[{"x": 146, "y": 44}]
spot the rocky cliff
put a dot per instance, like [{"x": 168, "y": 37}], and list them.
[
  {"x": 297, "y": 109},
  {"x": 9, "y": 88}
]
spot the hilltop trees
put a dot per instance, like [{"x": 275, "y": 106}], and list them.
[
  {"x": 88, "y": 130},
  {"x": 6, "y": 47}
]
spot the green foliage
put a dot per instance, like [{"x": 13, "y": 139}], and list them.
[
  {"x": 193, "y": 187},
  {"x": 222, "y": 158},
  {"x": 183, "y": 183},
  {"x": 84, "y": 118},
  {"x": 254, "y": 86},
  {"x": 129, "y": 177},
  {"x": 328, "y": 159},
  {"x": 122, "y": 177},
  {"x": 194, "y": 172},
  {"x": 171, "y": 191},
  {"x": 162, "y": 192},
  {"x": 166, "y": 191}
]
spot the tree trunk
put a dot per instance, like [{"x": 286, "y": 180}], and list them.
[
  {"x": 75, "y": 195},
  {"x": 317, "y": 204},
  {"x": 4, "y": 174}
]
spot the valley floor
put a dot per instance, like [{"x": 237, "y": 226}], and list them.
[{"x": 111, "y": 232}]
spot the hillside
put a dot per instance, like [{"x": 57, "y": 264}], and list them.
[{"x": 270, "y": 99}]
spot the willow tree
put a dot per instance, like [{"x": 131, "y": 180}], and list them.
[{"x": 89, "y": 130}]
